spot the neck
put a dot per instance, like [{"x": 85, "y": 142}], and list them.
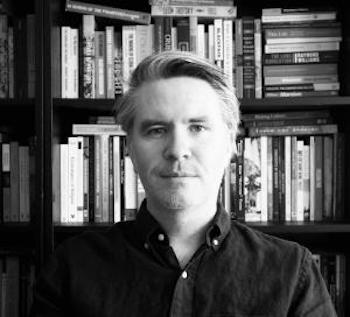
[{"x": 185, "y": 228}]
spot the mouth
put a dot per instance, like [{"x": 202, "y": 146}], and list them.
[{"x": 177, "y": 175}]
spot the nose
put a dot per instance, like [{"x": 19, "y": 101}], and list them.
[{"x": 177, "y": 147}]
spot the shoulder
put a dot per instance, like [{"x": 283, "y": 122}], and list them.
[
  {"x": 95, "y": 241},
  {"x": 268, "y": 249}
]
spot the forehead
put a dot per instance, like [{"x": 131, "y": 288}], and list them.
[{"x": 178, "y": 97}]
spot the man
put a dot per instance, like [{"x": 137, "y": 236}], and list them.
[{"x": 182, "y": 256}]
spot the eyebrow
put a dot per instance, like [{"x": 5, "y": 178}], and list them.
[{"x": 145, "y": 124}]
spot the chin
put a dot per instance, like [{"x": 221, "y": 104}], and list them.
[{"x": 177, "y": 201}]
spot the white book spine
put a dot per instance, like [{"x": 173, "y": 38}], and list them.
[
  {"x": 264, "y": 178},
  {"x": 130, "y": 185},
  {"x": 288, "y": 174},
  {"x": 64, "y": 182},
  {"x": 218, "y": 41},
  {"x": 100, "y": 59},
  {"x": 129, "y": 52},
  {"x": 312, "y": 178},
  {"x": 306, "y": 180},
  {"x": 228, "y": 48},
  {"x": 79, "y": 179},
  {"x": 211, "y": 46},
  {"x": 300, "y": 186},
  {"x": 257, "y": 57},
  {"x": 104, "y": 157},
  {"x": 109, "y": 62},
  {"x": 72, "y": 179},
  {"x": 74, "y": 63},
  {"x": 201, "y": 40},
  {"x": 116, "y": 179},
  {"x": 301, "y": 47},
  {"x": 198, "y": 11},
  {"x": 65, "y": 53},
  {"x": 174, "y": 38}
]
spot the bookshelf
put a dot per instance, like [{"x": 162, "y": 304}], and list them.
[{"x": 49, "y": 118}]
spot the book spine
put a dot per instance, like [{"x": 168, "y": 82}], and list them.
[
  {"x": 248, "y": 58},
  {"x": 218, "y": 42},
  {"x": 129, "y": 52},
  {"x": 116, "y": 179},
  {"x": 319, "y": 178},
  {"x": 306, "y": 179},
  {"x": 109, "y": 79},
  {"x": 191, "y": 2},
  {"x": 144, "y": 42},
  {"x": 266, "y": 116},
  {"x": 100, "y": 63},
  {"x": 11, "y": 60},
  {"x": 301, "y": 58},
  {"x": 300, "y": 70},
  {"x": 201, "y": 41},
  {"x": 228, "y": 49},
  {"x": 288, "y": 176},
  {"x": 301, "y": 93},
  {"x": 301, "y": 47},
  {"x": 65, "y": 35},
  {"x": 30, "y": 19},
  {"x": 199, "y": 11},
  {"x": 86, "y": 177},
  {"x": 96, "y": 129},
  {"x": 239, "y": 57},
  {"x": 293, "y": 32},
  {"x": 275, "y": 168},
  {"x": 4, "y": 84},
  {"x": 24, "y": 205},
  {"x": 168, "y": 24},
  {"x": 72, "y": 179},
  {"x": 6, "y": 182},
  {"x": 79, "y": 181},
  {"x": 303, "y": 87},
  {"x": 108, "y": 12},
  {"x": 306, "y": 40},
  {"x": 312, "y": 178},
  {"x": 328, "y": 177},
  {"x": 291, "y": 80},
  {"x": 158, "y": 33},
  {"x": 193, "y": 33},
  {"x": 294, "y": 178},
  {"x": 97, "y": 180},
  {"x": 294, "y": 130},
  {"x": 257, "y": 58},
  {"x": 118, "y": 64},
  {"x": 104, "y": 160},
  {"x": 91, "y": 179},
  {"x": 298, "y": 17},
  {"x": 64, "y": 183},
  {"x": 264, "y": 178},
  {"x": 183, "y": 34},
  {"x": 14, "y": 179},
  {"x": 88, "y": 57}
]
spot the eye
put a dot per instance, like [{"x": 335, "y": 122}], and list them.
[
  {"x": 156, "y": 132},
  {"x": 198, "y": 128}
]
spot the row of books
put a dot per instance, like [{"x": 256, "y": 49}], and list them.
[
  {"x": 333, "y": 270},
  {"x": 300, "y": 53},
  {"x": 16, "y": 181},
  {"x": 17, "y": 276},
  {"x": 95, "y": 181},
  {"x": 287, "y": 172},
  {"x": 17, "y": 56}
]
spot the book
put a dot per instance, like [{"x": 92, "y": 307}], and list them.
[
  {"x": 110, "y": 46},
  {"x": 96, "y": 129},
  {"x": 195, "y": 10},
  {"x": 100, "y": 64},
  {"x": 14, "y": 179},
  {"x": 6, "y": 182},
  {"x": 88, "y": 79},
  {"x": 258, "y": 58},
  {"x": 276, "y": 15},
  {"x": 301, "y": 47},
  {"x": 301, "y": 58},
  {"x": 303, "y": 87},
  {"x": 286, "y": 115},
  {"x": 302, "y": 32},
  {"x": 129, "y": 52},
  {"x": 191, "y": 2},
  {"x": 300, "y": 70},
  {"x": 118, "y": 64},
  {"x": 248, "y": 57},
  {"x": 108, "y": 12},
  {"x": 183, "y": 34},
  {"x": 293, "y": 130},
  {"x": 283, "y": 80},
  {"x": 24, "y": 200},
  {"x": 301, "y": 93},
  {"x": 4, "y": 84},
  {"x": 64, "y": 183}
]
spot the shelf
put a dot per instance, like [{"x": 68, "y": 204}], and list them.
[
  {"x": 304, "y": 103},
  {"x": 16, "y": 228},
  {"x": 270, "y": 104},
  {"x": 17, "y": 102},
  {"x": 91, "y": 104},
  {"x": 301, "y": 228},
  {"x": 287, "y": 228}
]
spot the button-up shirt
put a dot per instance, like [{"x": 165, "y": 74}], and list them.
[{"x": 131, "y": 270}]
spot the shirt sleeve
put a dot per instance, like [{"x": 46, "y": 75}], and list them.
[
  {"x": 48, "y": 297},
  {"x": 311, "y": 297}
]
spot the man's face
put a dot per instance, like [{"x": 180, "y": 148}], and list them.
[{"x": 179, "y": 142}]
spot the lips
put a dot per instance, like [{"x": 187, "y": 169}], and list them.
[{"x": 177, "y": 174}]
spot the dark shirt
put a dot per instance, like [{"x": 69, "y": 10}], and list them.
[{"x": 132, "y": 271}]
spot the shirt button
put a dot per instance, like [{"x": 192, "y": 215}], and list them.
[
  {"x": 215, "y": 242},
  {"x": 146, "y": 246},
  {"x": 161, "y": 237},
  {"x": 184, "y": 275}
]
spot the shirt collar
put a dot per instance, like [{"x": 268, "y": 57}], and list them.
[{"x": 147, "y": 226}]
